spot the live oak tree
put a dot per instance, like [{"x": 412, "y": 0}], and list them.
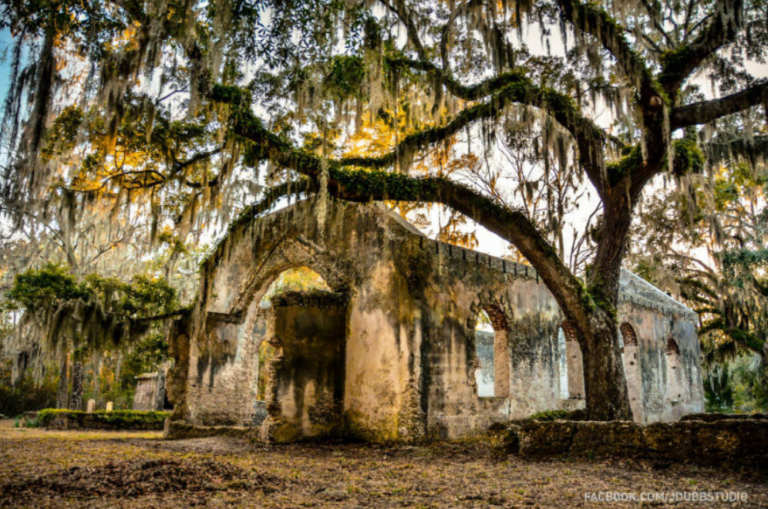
[{"x": 172, "y": 104}]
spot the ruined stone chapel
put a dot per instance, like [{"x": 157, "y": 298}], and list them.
[{"x": 412, "y": 338}]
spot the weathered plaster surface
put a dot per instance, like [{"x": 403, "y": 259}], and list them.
[{"x": 407, "y": 358}]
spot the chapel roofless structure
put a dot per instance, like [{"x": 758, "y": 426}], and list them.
[{"x": 395, "y": 348}]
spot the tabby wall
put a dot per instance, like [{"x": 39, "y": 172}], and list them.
[{"x": 408, "y": 333}]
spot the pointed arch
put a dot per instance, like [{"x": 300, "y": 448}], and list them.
[
  {"x": 632, "y": 371},
  {"x": 491, "y": 330},
  {"x": 674, "y": 387},
  {"x": 574, "y": 363}
]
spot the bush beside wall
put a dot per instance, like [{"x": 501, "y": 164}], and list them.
[{"x": 115, "y": 420}]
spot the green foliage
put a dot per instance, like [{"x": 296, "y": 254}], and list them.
[
  {"x": 231, "y": 94},
  {"x": 147, "y": 295},
  {"x": 737, "y": 387},
  {"x": 26, "y": 395},
  {"x": 718, "y": 391},
  {"x": 553, "y": 415},
  {"x": 28, "y": 423},
  {"x": 735, "y": 183},
  {"x": 50, "y": 284},
  {"x": 116, "y": 419},
  {"x": 688, "y": 157},
  {"x": 145, "y": 357},
  {"x": 62, "y": 134},
  {"x": 346, "y": 77},
  {"x": 622, "y": 168},
  {"x": 53, "y": 284}
]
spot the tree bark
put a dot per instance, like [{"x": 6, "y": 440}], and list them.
[
  {"x": 62, "y": 396},
  {"x": 76, "y": 401},
  {"x": 604, "y": 382}
]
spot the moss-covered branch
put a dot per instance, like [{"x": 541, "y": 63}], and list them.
[
  {"x": 589, "y": 18},
  {"x": 501, "y": 91},
  {"x": 364, "y": 186},
  {"x": 680, "y": 63},
  {"x": 745, "y": 339},
  {"x": 708, "y": 111}
]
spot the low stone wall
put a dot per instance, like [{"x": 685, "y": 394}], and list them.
[
  {"x": 178, "y": 430},
  {"x": 115, "y": 420},
  {"x": 734, "y": 442},
  {"x": 714, "y": 417}
]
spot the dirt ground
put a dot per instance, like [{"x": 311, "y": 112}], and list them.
[{"x": 131, "y": 469}]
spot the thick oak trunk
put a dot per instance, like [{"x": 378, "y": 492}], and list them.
[{"x": 604, "y": 381}]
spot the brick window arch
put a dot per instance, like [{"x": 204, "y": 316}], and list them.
[
  {"x": 491, "y": 331},
  {"x": 572, "y": 363},
  {"x": 628, "y": 333},
  {"x": 632, "y": 371}
]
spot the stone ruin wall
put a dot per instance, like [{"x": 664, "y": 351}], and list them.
[
  {"x": 146, "y": 392},
  {"x": 408, "y": 345}
]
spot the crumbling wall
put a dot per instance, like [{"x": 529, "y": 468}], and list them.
[
  {"x": 409, "y": 353},
  {"x": 352, "y": 256},
  {"x": 670, "y": 382},
  {"x": 223, "y": 369},
  {"x": 457, "y": 286},
  {"x": 305, "y": 392},
  {"x": 731, "y": 443},
  {"x": 146, "y": 392}
]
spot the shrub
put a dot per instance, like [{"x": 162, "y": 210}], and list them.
[
  {"x": 553, "y": 415},
  {"x": 117, "y": 419},
  {"x": 549, "y": 415}
]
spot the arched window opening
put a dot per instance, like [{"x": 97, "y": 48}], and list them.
[
  {"x": 563, "y": 363},
  {"x": 574, "y": 364},
  {"x": 673, "y": 360},
  {"x": 628, "y": 335},
  {"x": 492, "y": 348},
  {"x": 672, "y": 348},
  {"x": 632, "y": 371},
  {"x": 299, "y": 279},
  {"x": 484, "y": 346}
]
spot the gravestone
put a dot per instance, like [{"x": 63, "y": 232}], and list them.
[
  {"x": 91, "y": 406},
  {"x": 109, "y": 406}
]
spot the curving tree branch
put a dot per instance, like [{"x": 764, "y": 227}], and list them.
[
  {"x": 678, "y": 64},
  {"x": 503, "y": 90},
  {"x": 363, "y": 186},
  {"x": 707, "y": 111},
  {"x": 589, "y": 18}
]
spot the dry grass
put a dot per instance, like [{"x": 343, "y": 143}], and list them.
[{"x": 129, "y": 469}]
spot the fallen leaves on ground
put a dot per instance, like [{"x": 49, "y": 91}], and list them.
[
  {"x": 132, "y": 479},
  {"x": 138, "y": 470}
]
